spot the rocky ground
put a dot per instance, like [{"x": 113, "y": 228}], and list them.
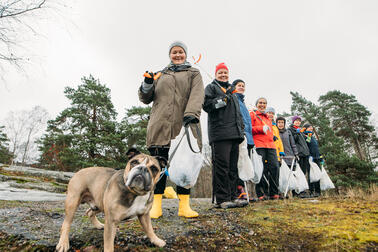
[{"x": 325, "y": 224}]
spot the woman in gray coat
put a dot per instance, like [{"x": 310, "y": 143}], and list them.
[{"x": 177, "y": 95}]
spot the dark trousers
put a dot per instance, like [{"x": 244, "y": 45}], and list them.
[
  {"x": 315, "y": 186},
  {"x": 270, "y": 173},
  {"x": 225, "y": 155},
  {"x": 249, "y": 148},
  {"x": 160, "y": 186},
  {"x": 305, "y": 166}
]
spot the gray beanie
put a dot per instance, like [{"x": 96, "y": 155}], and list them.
[
  {"x": 180, "y": 44},
  {"x": 270, "y": 109},
  {"x": 260, "y": 99}
]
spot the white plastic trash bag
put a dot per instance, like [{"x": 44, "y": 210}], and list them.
[
  {"x": 185, "y": 165},
  {"x": 245, "y": 168},
  {"x": 315, "y": 172},
  {"x": 258, "y": 166},
  {"x": 325, "y": 181},
  {"x": 286, "y": 177},
  {"x": 301, "y": 181}
]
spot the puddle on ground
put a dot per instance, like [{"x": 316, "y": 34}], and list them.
[{"x": 10, "y": 193}]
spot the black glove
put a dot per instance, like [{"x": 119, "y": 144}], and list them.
[
  {"x": 275, "y": 138},
  {"x": 189, "y": 119},
  {"x": 149, "y": 77}
]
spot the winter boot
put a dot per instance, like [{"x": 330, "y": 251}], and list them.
[
  {"x": 184, "y": 207},
  {"x": 170, "y": 193},
  {"x": 156, "y": 211}
]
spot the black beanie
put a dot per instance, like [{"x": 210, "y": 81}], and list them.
[
  {"x": 237, "y": 81},
  {"x": 307, "y": 125}
]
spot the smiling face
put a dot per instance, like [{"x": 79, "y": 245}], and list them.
[
  {"x": 310, "y": 128},
  {"x": 261, "y": 105},
  {"x": 222, "y": 75},
  {"x": 177, "y": 55},
  {"x": 240, "y": 87},
  {"x": 280, "y": 124},
  {"x": 297, "y": 122},
  {"x": 270, "y": 115}
]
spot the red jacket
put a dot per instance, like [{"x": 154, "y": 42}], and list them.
[{"x": 261, "y": 139}]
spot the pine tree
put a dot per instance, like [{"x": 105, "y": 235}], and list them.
[
  {"x": 85, "y": 134},
  {"x": 5, "y": 154},
  {"x": 345, "y": 168},
  {"x": 350, "y": 120},
  {"x": 134, "y": 127}
]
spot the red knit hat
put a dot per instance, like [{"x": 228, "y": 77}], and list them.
[{"x": 220, "y": 66}]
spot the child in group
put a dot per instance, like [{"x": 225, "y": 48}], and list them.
[
  {"x": 287, "y": 140},
  {"x": 303, "y": 150},
  {"x": 276, "y": 134}
]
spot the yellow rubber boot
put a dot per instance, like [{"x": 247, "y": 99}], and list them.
[
  {"x": 170, "y": 193},
  {"x": 184, "y": 207},
  {"x": 156, "y": 211}
]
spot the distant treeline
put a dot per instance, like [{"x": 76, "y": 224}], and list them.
[{"x": 88, "y": 134}]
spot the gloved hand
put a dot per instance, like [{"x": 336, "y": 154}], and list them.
[
  {"x": 221, "y": 102},
  {"x": 308, "y": 139},
  {"x": 265, "y": 129},
  {"x": 148, "y": 77},
  {"x": 282, "y": 153},
  {"x": 298, "y": 130},
  {"x": 189, "y": 119},
  {"x": 275, "y": 138}
]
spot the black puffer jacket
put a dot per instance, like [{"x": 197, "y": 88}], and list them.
[
  {"x": 224, "y": 123},
  {"x": 300, "y": 142}
]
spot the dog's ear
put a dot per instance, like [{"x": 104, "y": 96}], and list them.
[
  {"x": 132, "y": 152},
  {"x": 162, "y": 161}
]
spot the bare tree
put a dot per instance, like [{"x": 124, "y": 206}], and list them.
[
  {"x": 23, "y": 129},
  {"x": 18, "y": 22}
]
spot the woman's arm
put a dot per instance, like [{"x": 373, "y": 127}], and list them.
[
  {"x": 211, "y": 99},
  {"x": 292, "y": 143},
  {"x": 196, "y": 97},
  {"x": 146, "y": 95},
  {"x": 256, "y": 129}
]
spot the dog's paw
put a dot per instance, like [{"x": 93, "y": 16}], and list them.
[
  {"x": 99, "y": 226},
  {"x": 159, "y": 242},
  {"x": 62, "y": 247}
]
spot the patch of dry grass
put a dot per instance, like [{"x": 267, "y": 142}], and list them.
[{"x": 324, "y": 224}]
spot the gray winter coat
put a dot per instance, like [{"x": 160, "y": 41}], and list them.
[{"x": 289, "y": 145}]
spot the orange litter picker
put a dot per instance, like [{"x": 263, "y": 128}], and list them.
[{"x": 155, "y": 76}]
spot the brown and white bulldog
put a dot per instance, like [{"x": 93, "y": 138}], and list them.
[{"x": 119, "y": 194}]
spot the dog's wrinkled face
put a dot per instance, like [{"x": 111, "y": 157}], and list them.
[{"x": 142, "y": 173}]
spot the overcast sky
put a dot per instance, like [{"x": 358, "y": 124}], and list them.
[{"x": 275, "y": 46}]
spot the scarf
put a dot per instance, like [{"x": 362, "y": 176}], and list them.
[
  {"x": 282, "y": 130},
  {"x": 177, "y": 68},
  {"x": 241, "y": 96}
]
